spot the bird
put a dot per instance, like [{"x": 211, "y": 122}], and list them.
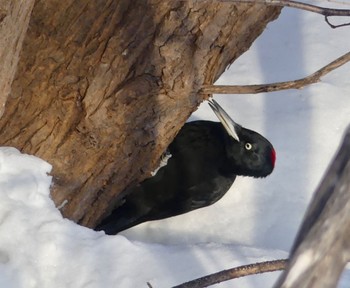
[{"x": 197, "y": 170}]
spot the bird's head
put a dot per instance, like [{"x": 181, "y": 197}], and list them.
[{"x": 248, "y": 153}]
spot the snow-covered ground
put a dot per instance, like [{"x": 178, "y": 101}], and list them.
[{"x": 256, "y": 220}]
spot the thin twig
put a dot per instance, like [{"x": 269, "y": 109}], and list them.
[
  {"x": 326, "y": 12},
  {"x": 260, "y": 88},
  {"x": 262, "y": 267}
]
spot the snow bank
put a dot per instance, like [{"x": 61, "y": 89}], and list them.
[{"x": 38, "y": 248}]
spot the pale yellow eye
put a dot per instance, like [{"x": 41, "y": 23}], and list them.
[{"x": 248, "y": 146}]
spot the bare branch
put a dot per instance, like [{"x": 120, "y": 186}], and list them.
[
  {"x": 326, "y": 12},
  {"x": 245, "y": 270},
  {"x": 260, "y": 88}
]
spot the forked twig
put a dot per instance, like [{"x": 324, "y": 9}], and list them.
[{"x": 326, "y": 12}]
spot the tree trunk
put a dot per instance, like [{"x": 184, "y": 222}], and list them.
[
  {"x": 321, "y": 250},
  {"x": 103, "y": 87},
  {"x": 14, "y": 19}
]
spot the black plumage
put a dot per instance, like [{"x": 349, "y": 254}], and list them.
[{"x": 205, "y": 158}]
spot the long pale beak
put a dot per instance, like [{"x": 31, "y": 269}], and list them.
[{"x": 230, "y": 126}]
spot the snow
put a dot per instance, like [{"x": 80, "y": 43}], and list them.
[{"x": 256, "y": 221}]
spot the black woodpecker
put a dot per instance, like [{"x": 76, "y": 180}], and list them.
[{"x": 203, "y": 162}]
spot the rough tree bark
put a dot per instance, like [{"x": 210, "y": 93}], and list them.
[
  {"x": 103, "y": 87},
  {"x": 14, "y": 19}
]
